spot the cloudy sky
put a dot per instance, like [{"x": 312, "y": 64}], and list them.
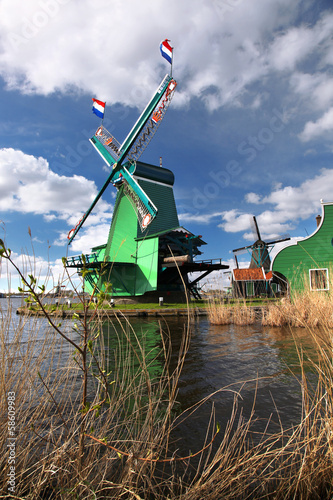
[{"x": 249, "y": 131}]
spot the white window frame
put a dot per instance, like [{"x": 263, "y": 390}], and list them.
[{"x": 327, "y": 280}]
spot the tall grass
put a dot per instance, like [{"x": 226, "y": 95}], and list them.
[
  {"x": 238, "y": 313},
  {"x": 44, "y": 375},
  {"x": 305, "y": 309},
  {"x": 128, "y": 450},
  {"x": 140, "y": 460}
]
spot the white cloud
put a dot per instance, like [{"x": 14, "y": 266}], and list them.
[
  {"x": 90, "y": 235},
  {"x": 47, "y": 273},
  {"x": 235, "y": 221},
  {"x": 223, "y": 51},
  {"x": 303, "y": 201},
  {"x": 253, "y": 198},
  {"x": 290, "y": 205},
  {"x": 200, "y": 218},
  {"x": 61, "y": 45},
  {"x": 317, "y": 88},
  {"x": 297, "y": 43},
  {"x": 28, "y": 185},
  {"x": 270, "y": 226},
  {"x": 314, "y": 129}
]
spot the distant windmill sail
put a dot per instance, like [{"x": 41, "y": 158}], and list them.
[{"x": 260, "y": 250}]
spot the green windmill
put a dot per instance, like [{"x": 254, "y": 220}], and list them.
[{"x": 147, "y": 253}]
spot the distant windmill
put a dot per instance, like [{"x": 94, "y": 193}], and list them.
[{"x": 260, "y": 250}]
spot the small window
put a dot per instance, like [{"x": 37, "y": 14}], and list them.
[{"x": 319, "y": 279}]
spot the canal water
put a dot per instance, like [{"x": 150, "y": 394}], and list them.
[{"x": 259, "y": 364}]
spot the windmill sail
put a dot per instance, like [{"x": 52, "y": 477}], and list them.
[
  {"x": 115, "y": 154},
  {"x": 145, "y": 209}
]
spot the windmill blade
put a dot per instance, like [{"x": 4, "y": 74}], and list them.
[
  {"x": 256, "y": 227},
  {"x": 242, "y": 249},
  {"x": 155, "y": 120},
  {"x": 114, "y": 154},
  {"x": 73, "y": 232},
  {"x": 142, "y": 204},
  {"x": 145, "y": 115},
  {"x": 106, "y": 145},
  {"x": 278, "y": 241},
  {"x": 109, "y": 148}
]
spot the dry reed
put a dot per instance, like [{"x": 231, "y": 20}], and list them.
[
  {"x": 138, "y": 459},
  {"x": 43, "y": 373},
  {"x": 303, "y": 309},
  {"x": 306, "y": 309},
  {"x": 238, "y": 313},
  {"x": 219, "y": 314}
]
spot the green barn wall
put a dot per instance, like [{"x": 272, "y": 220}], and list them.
[
  {"x": 314, "y": 252},
  {"x": 121, "y": 245},
  {"x": 99, "y": 252},
  {"x": 147, "y": 269}
]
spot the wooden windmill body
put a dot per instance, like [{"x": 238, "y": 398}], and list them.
[{"x": 147, "y": 253}]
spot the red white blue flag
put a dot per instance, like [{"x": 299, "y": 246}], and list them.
[
  {"x": 98, "y": 108},
  {"x": 166, "y": 50}
]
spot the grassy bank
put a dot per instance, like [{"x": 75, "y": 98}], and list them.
[
  {"x": 78, "y": 306},
  {"x": 200, "y": 306}
]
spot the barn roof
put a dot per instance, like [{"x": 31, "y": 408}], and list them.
[{"x": 256, "y": 274}]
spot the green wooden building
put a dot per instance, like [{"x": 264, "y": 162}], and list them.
[
  {"x": 307, "y": 265},
  {"x": 152, "y": 262}
]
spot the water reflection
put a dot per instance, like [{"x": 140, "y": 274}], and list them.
[
  {"x": 32, "y": 342},
  {"x": 228, "y": 356},
  {"x": 134, "y": 346},
  {"x": 261, "y": 363}
]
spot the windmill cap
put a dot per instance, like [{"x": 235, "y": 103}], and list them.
[{"x": 153, "y": 173}]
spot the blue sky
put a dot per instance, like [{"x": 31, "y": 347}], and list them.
[{"x": 249, "y": 131}]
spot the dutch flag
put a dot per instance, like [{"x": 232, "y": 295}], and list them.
[
  {"x": 166, "y": 50},
  {"x": 98, "y": 108}
]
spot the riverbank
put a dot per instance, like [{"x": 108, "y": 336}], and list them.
[
  {"x": 305, "y": 310},
  {"x": 118, "y": 312},
  {"x": 65, "y": 311}
]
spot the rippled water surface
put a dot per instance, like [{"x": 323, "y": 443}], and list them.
[{"x": 258, "y": 363}]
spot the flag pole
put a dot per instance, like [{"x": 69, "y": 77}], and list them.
[{"x": 103, "y": 114}]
